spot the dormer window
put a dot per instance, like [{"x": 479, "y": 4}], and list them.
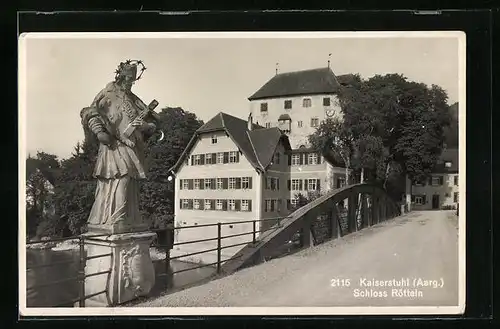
[
  {"x": 214, "y": 139},
  {"x": 263, "y": 107},
  {"x": 447, "y": 164},
  {"x": 288, "y": 104},
  {"x": 284, "y": 123},
  {"x": 306, "y": 102}
]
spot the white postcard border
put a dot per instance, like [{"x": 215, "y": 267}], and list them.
[{"x": 263, "y": 311}]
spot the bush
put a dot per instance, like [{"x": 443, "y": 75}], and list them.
[{"x": 449, "y": 207}]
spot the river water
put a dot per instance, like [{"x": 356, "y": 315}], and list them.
[{"x": 61, "y": 293}]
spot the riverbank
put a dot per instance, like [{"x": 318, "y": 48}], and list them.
[{"x": 72, "y": 245}]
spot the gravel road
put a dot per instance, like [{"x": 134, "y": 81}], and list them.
[{"x": 421, "y": 245}]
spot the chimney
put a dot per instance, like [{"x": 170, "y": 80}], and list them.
[{"x": 250, "y": 122}]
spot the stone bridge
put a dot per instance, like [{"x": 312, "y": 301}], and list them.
[
  {"x": 333, "y": 215},
  {"x": 417, "y": 253}
]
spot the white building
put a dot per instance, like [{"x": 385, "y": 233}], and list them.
[
  {"x": 442, "y": 188},
  {"x": 297, "y": 102}
]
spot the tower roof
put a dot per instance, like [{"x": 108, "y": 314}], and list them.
[{"x": 305, "y": 82}]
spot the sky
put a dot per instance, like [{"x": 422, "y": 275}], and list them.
[{"x": 202, "y": 75}]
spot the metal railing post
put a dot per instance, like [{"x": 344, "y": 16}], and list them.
[
  {"x": 81, "y": 272},
  {"x": 218, "y": 247},
  {"x": 254, "y": 223}
]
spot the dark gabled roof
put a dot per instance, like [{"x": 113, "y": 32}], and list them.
[
  {"x": 284, "y": 116},
  {"x": 448, "y": 155},
  {"x": 306, "y": 82},
  {"x": 257, "y": 145}
]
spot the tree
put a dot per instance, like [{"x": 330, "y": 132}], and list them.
[
  {"x": 41, "y": 171},
  {"x": 333, "y": 135},
  {"x": 75, "y": 187},
  {"x": 451, "y": 132},
  {"x": 407, "y": 118},
  {"x": 157, "y": 193}
]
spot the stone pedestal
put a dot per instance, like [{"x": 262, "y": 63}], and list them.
[{"x": 131, "y": 273}]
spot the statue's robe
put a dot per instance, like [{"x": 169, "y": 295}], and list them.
[{"x": 119, "y": 167}]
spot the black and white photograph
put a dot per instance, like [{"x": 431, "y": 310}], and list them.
[{"x": 242, "y": 173}]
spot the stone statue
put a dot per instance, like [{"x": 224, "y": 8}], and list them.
[{"x": 122, "y": 123}]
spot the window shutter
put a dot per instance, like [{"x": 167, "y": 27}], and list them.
[
  {"x": 319, "y": 158},
  {"x": 412, "y": 198},
  {"x": 441, "y": 180},
  {"x": 238, "y": 156},
  {"x": 289, "y": 184},
  {"x": 289, "y": 159},
  {"x": 301, "y": 159},
  {"x": 238, "y": 182},
  {"x": 288, "y": 204},
  {"x": 212, "y": 204},
  {"x": 180, "y": 203},
  {"x": 249, "y": 205},
  {"x": 225, "y": 183},
  {"x": 180, "y": 184},
  {"x": 237, "y": 205},
  {"x": 213, "y": 184},
  {"x": 265, "y": 205},
  {"x": 306, "y": 158},
  {"x": 226, "y": 157},
  {"x": 249, "y": 182},
  {"x": 202, "y": 159},
  {"x": 202, "y": 204},
  {"x": 224, "y": 204},
  {"x": 277, "y": 184},
  {"x": 202, "y": 184},
  {"x": 300, "y": 184},
  {"x": 190, "y": 184},
  {"x": 430, "y": 180},
  {"x": 318, "y": 187},
  {"x": 424, "y": 198},
  {"x": 190, "y": 204},
  {"x": 305, "y": 184},
  {"x": 456, "y": 180},
  {"x": 214, "y": 157}
]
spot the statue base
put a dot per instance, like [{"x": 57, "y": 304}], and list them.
[
  {"x": 117, "y": 228},
  {"x": 122, "y": 272}
]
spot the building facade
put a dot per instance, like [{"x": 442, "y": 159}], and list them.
[
  {"x": 231, "y": 171},
  {"x": 297, "y": 103},
  {"x": 442, "y": 188}
]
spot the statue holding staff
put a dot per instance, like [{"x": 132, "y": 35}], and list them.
[{"x": 122, "y": 123}]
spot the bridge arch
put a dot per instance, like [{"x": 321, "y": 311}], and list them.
[{"x": 332, "y": 215}]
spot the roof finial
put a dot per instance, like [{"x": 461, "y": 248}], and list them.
[
  {"x": 277, "y": 66},
  {"x": 329, "y": 55}
]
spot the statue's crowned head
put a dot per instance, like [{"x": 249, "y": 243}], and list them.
[{"x": 126, "y": 73}]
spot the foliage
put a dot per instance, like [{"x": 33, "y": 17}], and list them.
[
  {"x": 302, "y": 199},
  {"x": 391, "y": 126},
  {"x": 333, "y": 135},
  {"x": 157, "y": 193},
  {"x": 451, "y": 132},
  {"x": 40, "y": 175},
  {"x": 74, "y": 186}
]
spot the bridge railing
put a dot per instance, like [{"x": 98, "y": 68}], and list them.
[
  {"x": 83, "y": 240},
  {"x": 332, "y": 215},
  {"x": 219, "y": 239}
]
